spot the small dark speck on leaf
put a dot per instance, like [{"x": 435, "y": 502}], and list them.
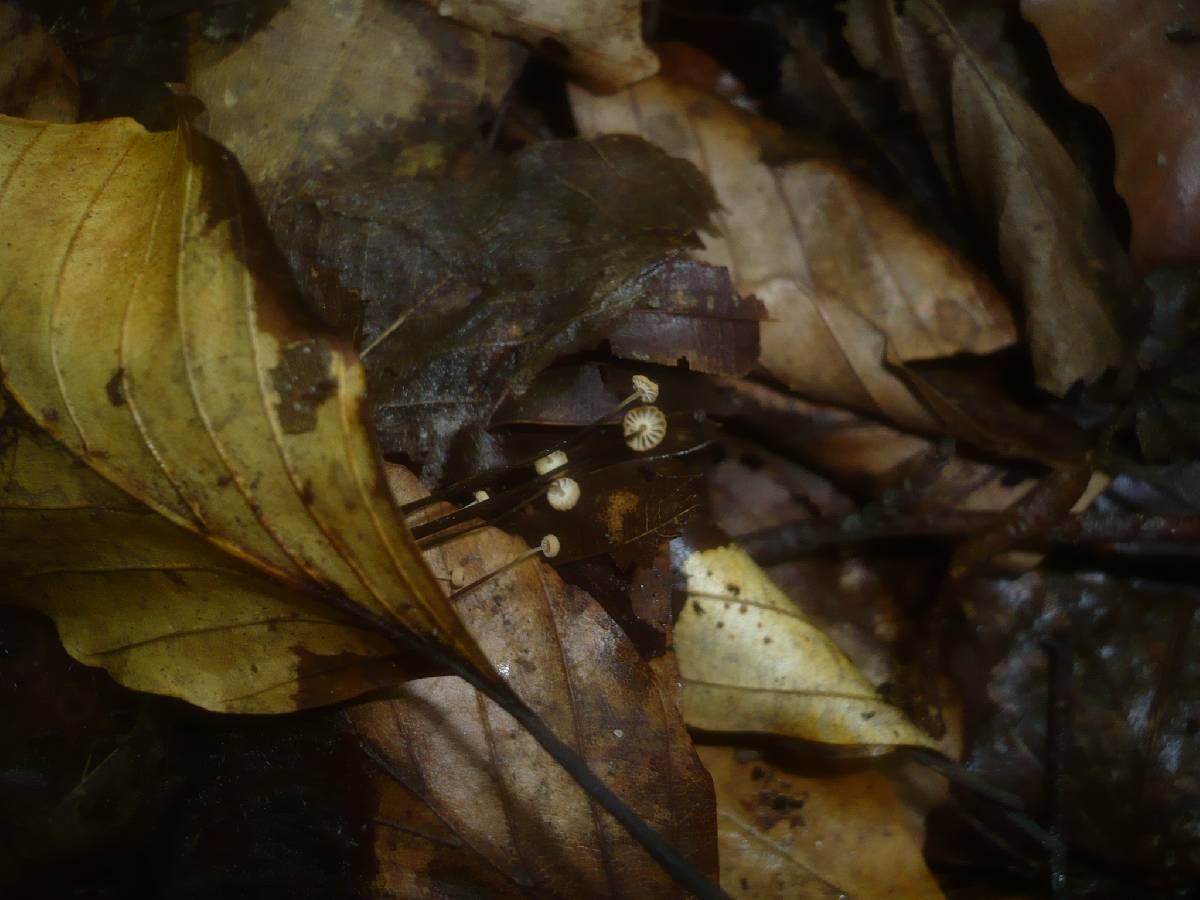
[
  {"x": 698, "y": 608},
  {"x": 115, "y": 388}
]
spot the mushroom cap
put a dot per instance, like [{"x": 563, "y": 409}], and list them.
[
  {"x": 550, "y": 546},
  {"x": 645, "y": 427},
  {"x": 563, "y": 493},
  {"x": 556, "y": 459},
  {"x": 645, "y": 388}
]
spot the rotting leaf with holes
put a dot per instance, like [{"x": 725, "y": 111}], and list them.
[
  {"x": 600, "y": 41},
  {"x": 750, "y": 661},
  {"x": 1016, "y": 181},
  {"x": 145, "y": 326},
  {"x": 1136, "y": 61},
  {"x": 841, "y": 271},
  {"x": 485, "y": 781}
]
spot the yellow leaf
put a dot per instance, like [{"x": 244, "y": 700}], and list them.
[
  {"x": 750, "y": 661},
  {"x": 791, "y": 834},
  {"x": 144, "y": 325},
  {"x": 845, "y": 276}
]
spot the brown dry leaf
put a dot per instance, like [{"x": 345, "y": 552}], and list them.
[
  {"x": 1018, "y": 182},
  {"x": 37, "y": 81},
  {"x": 1136, "y": 61},
  {"x": 794, "y": 836},
  {"x": 841, "y": 271},
  {"x": 750, "y": 661},
  {"x": 146, "y": 327},
  {"x": 600, "y": 41},
  {"x": 501, "y": 798},
  {"x": 323, "y": 86}
]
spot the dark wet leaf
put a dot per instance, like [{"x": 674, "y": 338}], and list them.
[
  {"x": 1129, "y": 793},
  {"x": 469, "y": 287}
]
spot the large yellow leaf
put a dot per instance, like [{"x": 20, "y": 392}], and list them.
[
  {"x": 750, "y": 661},
  {"x": 160, "y": 607},
  {"x": 145, "y": 327}
]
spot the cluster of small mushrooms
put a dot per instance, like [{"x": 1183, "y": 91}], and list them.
[{"x": 644, "y": 427}]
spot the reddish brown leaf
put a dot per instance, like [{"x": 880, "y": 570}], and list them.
[
  {"x": 496, "y": 794},
  {"x": 1137, "y": 62}
]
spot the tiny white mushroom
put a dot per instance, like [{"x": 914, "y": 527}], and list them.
[
  {"x": 458, "y": 577},
  {"x": 550, "y": 546},
  {"x": 563, "y": 493},
  {"x": 646, "y": 390},
  {"x": 482, "y": 496},
  {"x": 645, "y": 427},
  {"x": 551, "y": 461}
]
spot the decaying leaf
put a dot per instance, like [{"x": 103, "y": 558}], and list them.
[
  {"x": 146, "y": 328},
  {"x": 501, "y": 798},
  {"x": 1020, "y": 186},
  {"x": 470, "y": 286},
  {"x": 600, "y": 41},
  {"x": 325, "y": 86},
  {"x": 37, "y": 81},
  {"x": 822, "y": 835},
  {"x": 1137, "y": 63},
  {"x": 841, "y": 271},
  {"x": 750, "y": 661}
]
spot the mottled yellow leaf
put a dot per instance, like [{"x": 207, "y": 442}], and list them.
[{"x": 750, "y": 661}]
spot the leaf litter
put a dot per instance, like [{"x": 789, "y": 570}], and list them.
[{"x": 914, "y": 441}]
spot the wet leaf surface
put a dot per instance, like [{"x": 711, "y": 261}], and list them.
[{"x": 1133, "y": 698}]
